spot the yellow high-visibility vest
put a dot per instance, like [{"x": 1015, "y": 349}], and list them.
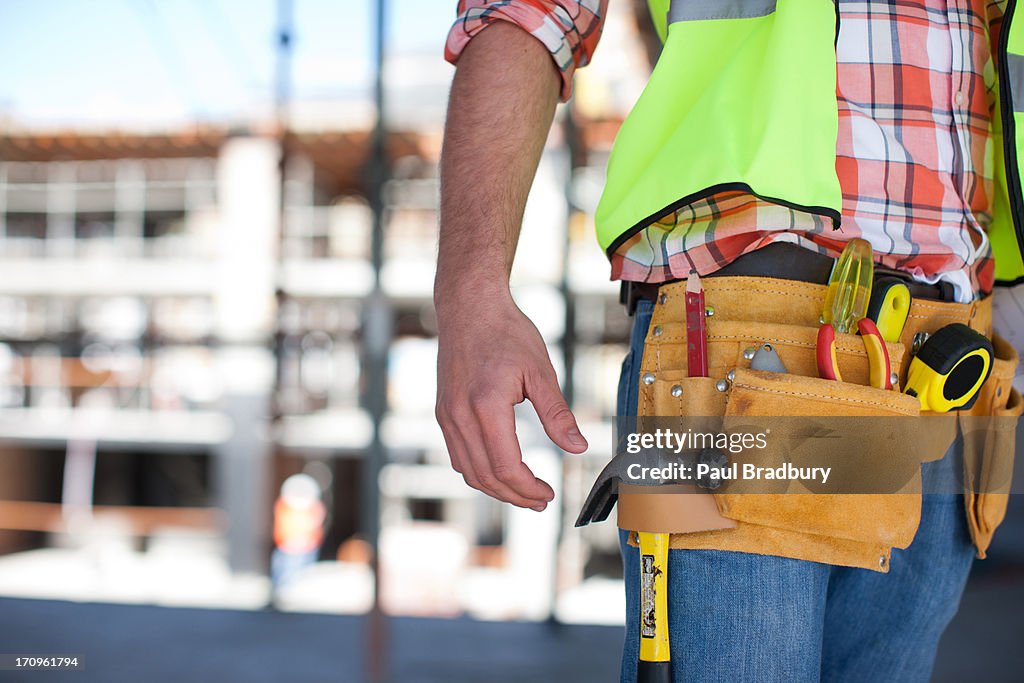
[{"x": 743, "y": 98}]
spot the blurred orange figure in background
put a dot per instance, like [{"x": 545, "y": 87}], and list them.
[{"x": 298, "y": 527}]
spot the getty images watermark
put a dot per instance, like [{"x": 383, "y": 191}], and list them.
[{"x": 713, "y": 464}]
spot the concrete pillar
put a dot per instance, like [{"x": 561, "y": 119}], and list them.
[
  {"x": 247, "y": 191},
  {"x": 60, "y": 209},
  {"x": 129, "y": 205},
  {"x": 531, "y": 540},
  {"x": 243, "y": 462}
]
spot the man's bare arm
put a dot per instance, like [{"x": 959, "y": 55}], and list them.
[{"x": 490, "y": 356}]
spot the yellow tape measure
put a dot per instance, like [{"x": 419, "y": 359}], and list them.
[{"x": 950, "y": 368}]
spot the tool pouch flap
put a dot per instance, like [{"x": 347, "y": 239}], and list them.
[{"x": 854, "y": 431}]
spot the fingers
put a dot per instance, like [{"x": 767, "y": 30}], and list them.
[
  {"x": 461, "y": 462},
  {"x": 491, "y": 464},
  {"x": 498, "y": 432},
  {"x": 559, "y": 423}
]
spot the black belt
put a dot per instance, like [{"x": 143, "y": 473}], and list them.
[{"x": 785, "y": 262}]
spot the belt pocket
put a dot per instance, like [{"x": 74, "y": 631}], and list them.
[
  {"x": 888, "y": 519},
  {"x": 989, "y": 453},
  {"x": 675, "y": 394},
  {"x": 673, "y": 400},
  {"x": 990, "y": 446}
]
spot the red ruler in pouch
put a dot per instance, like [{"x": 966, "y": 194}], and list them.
[{"x": 696, "y": 328}]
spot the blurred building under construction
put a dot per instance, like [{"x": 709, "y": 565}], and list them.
[{"x": 180, "y": 331}]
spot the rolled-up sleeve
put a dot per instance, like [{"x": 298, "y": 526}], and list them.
[{"x": 569, "y": 29}]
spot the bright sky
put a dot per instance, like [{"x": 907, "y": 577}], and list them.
[{"x": 168, "y": 62}]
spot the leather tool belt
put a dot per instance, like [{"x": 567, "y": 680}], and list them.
[
  {"x": 785, "y": 262},
  {"x": 843, "y": 529}
]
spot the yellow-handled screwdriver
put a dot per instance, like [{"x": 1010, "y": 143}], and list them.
[{"x": 849, "y": 287}]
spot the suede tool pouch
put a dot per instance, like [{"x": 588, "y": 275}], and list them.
[{"x": 854, "y": 430}]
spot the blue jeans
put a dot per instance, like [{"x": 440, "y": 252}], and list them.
[
  {"x": 744, "y": 617},
  {"x": 284, "y": 566}
]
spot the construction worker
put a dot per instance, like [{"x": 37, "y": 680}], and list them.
[
  {"x": 769, "y": 135},
  {"x": 299, "y": 515}
]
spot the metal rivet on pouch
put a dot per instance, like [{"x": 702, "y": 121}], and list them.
[
  {"x": 894, "y": 379},
  {"x": 722, "y": 385},
  {"x": 657, "y": 330},
  {"x": 677, "y": 390},
  {"x": 709, "y": 311},
  {"x": 881, "y": 561},
  {"x": 662, "y": 298},
  {"x": 767, "y": 347},
  {"x": 748, "y": 353},
  {"x": 731, "y": 376},
  {"x": 821, "y": 319},
  {"x": 648, "y": 378}
]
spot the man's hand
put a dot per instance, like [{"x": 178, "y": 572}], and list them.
[{"x": 491, "y": 357}]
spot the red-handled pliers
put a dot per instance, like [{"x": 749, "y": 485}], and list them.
[{"x": 879, "y": 367}]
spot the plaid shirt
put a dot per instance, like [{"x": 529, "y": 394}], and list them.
[
  {"x": 915, "y": 89},
  {"x": 569, "y": 29}
]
